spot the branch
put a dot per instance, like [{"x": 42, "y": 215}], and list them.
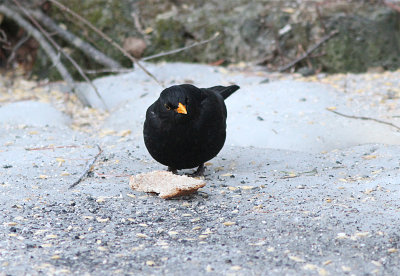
[
  {"x": 76, "y": 65},
  {"x": 363, "y": 118},
  {"x": 111, "y": 70},
  {"x": 16, "y": 47},
  {"x": 181, "y": 49},
  {"x": 127, "y": 70},
  {"x": 309, "y": 51},
  {"x": 88, "y": 168},
  {"x": 85, "y": 47},
  {"x": 106, "y": 37},
  {"x": 42, "y": 41}
]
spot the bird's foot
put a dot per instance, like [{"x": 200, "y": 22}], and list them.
[
  {"x": 199, "y": 172},
  {"x": 174, "y": 171}
]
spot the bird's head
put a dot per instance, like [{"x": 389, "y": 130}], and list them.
[{"x": 176, "y": 102}]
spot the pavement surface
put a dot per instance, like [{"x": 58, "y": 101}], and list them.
[{"x": 297, "y": 189}]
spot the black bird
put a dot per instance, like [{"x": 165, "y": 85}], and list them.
[{"x": 186, "y": 126}]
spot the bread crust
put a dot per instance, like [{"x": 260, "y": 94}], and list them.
[{"x": 165, "y": 184}]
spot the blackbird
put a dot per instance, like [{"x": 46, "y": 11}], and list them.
[{"x": 186, "y": 126}]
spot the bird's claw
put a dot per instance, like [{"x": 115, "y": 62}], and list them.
[
  {"x": 199, "y": 172},
  {"x": 174, "y": 171}
]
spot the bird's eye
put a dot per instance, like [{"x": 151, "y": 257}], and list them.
[{"x": 167, "y": 107}]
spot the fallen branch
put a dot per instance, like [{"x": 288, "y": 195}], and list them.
[
  {"x": 42, "y": 41},
  {"x": 309, "y": 51},
  {"x": 88, "y": 169},
  {"x": 76, "y": 65},
  {"x": 106, "y": 37},
  {"x": 363, "y": 118},
  {"x": 85, "y": 47},
  {"x": 181, "y": 49}
]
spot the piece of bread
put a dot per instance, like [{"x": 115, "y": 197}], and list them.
[{"x": 165, "y": 184}]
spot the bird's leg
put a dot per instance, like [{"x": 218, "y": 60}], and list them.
[
  {"x": 174, "y": 171},
  {"x": 199, "y": 172}
]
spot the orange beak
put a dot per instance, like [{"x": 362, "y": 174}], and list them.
[{"x": 181, "y": 109}]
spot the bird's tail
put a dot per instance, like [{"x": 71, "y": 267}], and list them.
[{"x": 225, "y": 91}]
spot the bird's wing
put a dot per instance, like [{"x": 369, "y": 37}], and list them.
[
  {"x": 212, "y": 103},
  {"x": 224, "y": 91},
  {"x": 152, "y": 118}
]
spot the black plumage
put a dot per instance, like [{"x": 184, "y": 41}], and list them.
[{"x": 186, "y": 125}]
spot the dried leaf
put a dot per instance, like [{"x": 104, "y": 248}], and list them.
[
  {"x": 150, "y": 263},
  {"x": 124, "y": 133},
  {"x": 361, "y": 234},
  {"x": 226, "y": 174},
  {"x": 369, "y": 157},
  {"x": 376, "y": 263},
  {"x": 99, "y": 219},
  {"x": 296, "y": 259},
  {"x": 247, "y": 187},
  {"x": 148, "y": 30},
  {"x": 310, "y": 267},
  {"x": 346, "y": 268},
  {"x": 341, "y": 236}
]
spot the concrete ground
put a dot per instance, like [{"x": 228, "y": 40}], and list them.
[{"x": 297, "y": 189}]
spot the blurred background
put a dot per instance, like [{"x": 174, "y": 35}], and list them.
[{"x": 317, "y": 36}]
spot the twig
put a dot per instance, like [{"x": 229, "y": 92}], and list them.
[
  {"x": 76, "y": 65},
  {"x": 293, "y": 175},
  {"x": 309, "y": 51},
  {"x": 181, "y": 49},
  {"x": 319, "y": 15},
  {"x": 52, "y": 148},
  {"x": 127, "y": 70},
  {"x": 3, "y": 37},
  {"x": 42, "y": 41},
  {"x": 106, "y": 37},
  {"x": 136, "y": 21},
  {"x": 111, "y": 70},
  {"x": 363, "y": 118},
  {"x": 16, "y": 47},
  {"x": 85, "y": 47},
  {"x": 112, "y": 175},
  {"x": 88, "y": 168}
]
